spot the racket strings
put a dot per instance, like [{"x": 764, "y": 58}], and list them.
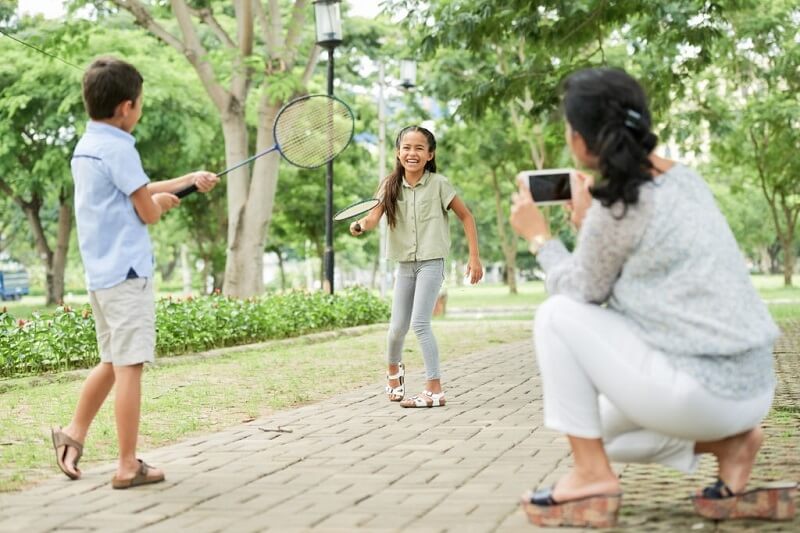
[
  {"x": 312, "y": 131},
  {"x": 356, "y": 209},
  {"x": 312, "y": 144}
]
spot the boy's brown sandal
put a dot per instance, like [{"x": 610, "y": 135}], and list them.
[
  {"x": 142, "y": 477},
  {"x": 61, "y": 439}
]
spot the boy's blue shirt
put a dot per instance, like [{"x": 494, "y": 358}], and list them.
[{"x": 106, "y": 170}]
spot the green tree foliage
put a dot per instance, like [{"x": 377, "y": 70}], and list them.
[
  {"x": 7, "y": 10},
  {"x": 753, "y": 109},
  {"x": 39, "y": 107},
  {"x": 42, "y": 117},
  {"x": 552, "y": 38}
]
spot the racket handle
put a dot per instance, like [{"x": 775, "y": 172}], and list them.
[
  {"x": 186, "y": 192},
  {"x": 357, "y": 227}
]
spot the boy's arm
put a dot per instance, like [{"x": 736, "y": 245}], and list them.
[
  {"x": 151, "y": 206},
  {"x": 205, "y": 181}
]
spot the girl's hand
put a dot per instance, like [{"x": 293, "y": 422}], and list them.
[
  {"x": 474, "y": 270},
  {"x": 526, "y": 218},
  {"x": 356, "y": 228},
  {"x": 581, "y": 197}
]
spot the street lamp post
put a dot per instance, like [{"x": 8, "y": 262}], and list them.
[{"x": 327, "y": 16}]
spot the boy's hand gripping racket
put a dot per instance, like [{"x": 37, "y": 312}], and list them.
[{"x": 308, "y": 131}]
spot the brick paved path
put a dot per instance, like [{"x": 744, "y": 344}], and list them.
[{"x": 359, "y": 462}]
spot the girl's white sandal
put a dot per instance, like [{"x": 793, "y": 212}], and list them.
[
  {"x": 396, "y": 394},
  {"x": 425, "y": 399}
]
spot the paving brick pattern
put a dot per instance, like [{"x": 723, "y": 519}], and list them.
[{"x": 358, "y": 462}]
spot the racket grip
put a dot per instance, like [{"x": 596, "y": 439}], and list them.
[
  {"x": 357, "y": 227},
  {"x": 186, "y": 192}
]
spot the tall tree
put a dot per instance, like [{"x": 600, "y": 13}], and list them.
[
  {"x": 38, "y": 106},
  {"x": 752, "y": 102}
]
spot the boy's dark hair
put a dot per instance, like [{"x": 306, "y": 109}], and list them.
[{"x": 107, "y": 83}]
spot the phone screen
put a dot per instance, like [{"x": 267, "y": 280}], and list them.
[{"x": 549, "y": 188}]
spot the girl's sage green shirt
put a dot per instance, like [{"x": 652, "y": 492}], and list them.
[{"x": 422, "y": 231}]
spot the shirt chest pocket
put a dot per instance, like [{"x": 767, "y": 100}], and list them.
[{"x": 429, "y": 209}]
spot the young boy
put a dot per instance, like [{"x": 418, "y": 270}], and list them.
[{"x": 114, "y": 202}]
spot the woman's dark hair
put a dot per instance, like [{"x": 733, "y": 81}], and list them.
[
  {"x": 609, "y": 109},
  {"x": 393, "y": 183}
]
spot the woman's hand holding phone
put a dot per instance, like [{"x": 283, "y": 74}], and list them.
[
  {"x": 580, "y": 184},
  {"x": 527, "y": 219}
]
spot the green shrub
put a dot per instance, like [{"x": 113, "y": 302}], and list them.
[{"x": 66, "y": 339}]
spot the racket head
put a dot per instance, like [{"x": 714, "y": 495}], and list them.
[
  {"x": 311, "y": 130},
  {"x": 358, "y": 208}
]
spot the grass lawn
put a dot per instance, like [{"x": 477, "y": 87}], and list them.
[
  {"x": 784, "y": 303},
  {"x": 199, "y": 396},
  {"x": 482, "y": 296},
  {"x": 486, "y": 295},
  {"x": 782, "y": 312},
  {"x": 772, "y": 288}
]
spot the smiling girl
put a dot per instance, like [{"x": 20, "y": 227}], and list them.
[{"x": 416, "y": 200}]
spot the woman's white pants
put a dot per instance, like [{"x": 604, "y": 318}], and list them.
[{"x": 601, "y": 381}]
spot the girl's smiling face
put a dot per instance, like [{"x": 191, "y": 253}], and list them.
[{"x": 414, "y": 152}]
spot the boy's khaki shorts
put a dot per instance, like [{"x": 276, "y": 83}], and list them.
[{"x": 125, "y": 321}]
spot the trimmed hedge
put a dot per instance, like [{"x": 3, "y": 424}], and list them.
[{"x": 66, "y": 339}]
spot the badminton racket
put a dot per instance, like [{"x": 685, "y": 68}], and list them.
[
  {"x": 308, "y": 131},
  {"x": 358, "y": 208}
]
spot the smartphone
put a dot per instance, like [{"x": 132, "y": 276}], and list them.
[{"x": 548, "y": 187}]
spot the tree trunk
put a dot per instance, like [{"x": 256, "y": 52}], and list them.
[
  {"x": 788, "y": 258},
  {"x": 31, "y": 210},
  {"x": 59, "y": 261},
  {"x": 281, "y": 268},
  {"x": 218, "y": 280},
  {"x": 511, "y": 272},
  {"x": 243, "y": 262},
  {"x": 250, "y": 197},
  {"x": 509, "y": 248},
  {"x": 169, "y": 269},
  {"x": 773, "y": 251},
  {"x": 250, "y": 203}
]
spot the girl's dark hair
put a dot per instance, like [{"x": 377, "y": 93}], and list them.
[
  {"x": 393, "y": 183},
  {"x": 609, "y": 109}
]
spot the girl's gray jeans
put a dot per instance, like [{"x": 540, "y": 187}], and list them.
[{"x": 415, "y": 292}]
